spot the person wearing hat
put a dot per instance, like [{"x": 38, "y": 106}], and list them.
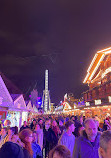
[{"x": 11, "y": 150}]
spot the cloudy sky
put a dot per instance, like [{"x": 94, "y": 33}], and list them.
[{"x": 59, "y": 35}]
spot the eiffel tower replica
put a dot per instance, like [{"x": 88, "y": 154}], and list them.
[{"x": 46, "y": 103}]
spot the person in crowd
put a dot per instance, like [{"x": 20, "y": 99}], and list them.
[
  {"x": 49, "y": 138},
  {"x": 67, "y": 138},
  {"x": 7, "y": 124},
  {"x": 16, "y": 130},
  {"x": 26, "y": 137},
  {"x": 33, "y": 125},
  {"x": 72, "y": 118},
  {"x": 11, "y": 132},
  {"x": 84, "y": 118},
  {"x": 105, "y": 145},
  {"x": 67, "y": 119},
  {"x": 77, "y": 125},
  {"x": 106, "y": 125},
  {"x": 39, "y": 132},
  {"x": 81, "y": 120},
  {"x": 16, "y": 139},
  {"x": 61, "y": 125},
  {"x": 40, "y": 122},
  {"x": 37, "y": 152},
  {"x": 3, "y": 134},
  {"x": 11, "y": 150},
  {"x": 99, "y": 129},
  {"x": 24, "y": 126},
  {"x": 55, "y": 127},
  {"x": 80, "y": 130},
  {"x": 86, "y": 146},
  {"x": 60, "y": 151},
  {"x": 1, "y": 125}
]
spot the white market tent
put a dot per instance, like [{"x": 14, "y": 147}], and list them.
[{"x": 11, "y": 104}]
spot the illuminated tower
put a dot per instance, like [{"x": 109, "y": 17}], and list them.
[{"x": 46, "y": 96}]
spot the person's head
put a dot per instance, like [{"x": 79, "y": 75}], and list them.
[
  {"x": 34, "y": 122},
  {"x": 70, "y": 126},
  {"x": 54, "y": 123},
  {"x": 106, "y": 121},
  {"x": 81, "y": 119},
  {"x": 3, "y": 131},
  {"x": 67, "y": 119},
  {"x": 37, "y": 127},
  {"x": 7, "y": 123},
  {"x": 75, "y": 118},
  {"x": 105, "y": 145},
  {"x": 72, "y": 118},
  {"x": 91, "y": 129},
  {"x": 25, "y": 123},
  {"x": 26, "y": 137},
  {"x": 47, "y": 124},
  {"x": 84, "y": 118},
  {"x": 34, "y": 136},
  {"x": 11, "y": 150},
  {"x": 40, "y": 121},
  {"x": 11, "y": 131},
  {"x": 61, "y": 123},
  {"x": 14, "y": 139},
  {"x": 60, "y": 151},
  {"x": 80, "y": 130},
  {"x": 16, "y": 130}
]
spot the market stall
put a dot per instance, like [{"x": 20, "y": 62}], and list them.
[
  {"x": 32, "y": 112},
  {"x": 11, "y": 105},
  {"x": 18, "y": 112}
]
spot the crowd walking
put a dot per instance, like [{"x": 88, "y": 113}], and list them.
[{"x": 55, "y": 136}]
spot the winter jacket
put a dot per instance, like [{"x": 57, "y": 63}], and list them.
[
  {"x": 26, "y": 153},
  {"x": 49, "y": 140},
  {"x": 37, "y": 153},
  {"x": 84, "y": 148}
]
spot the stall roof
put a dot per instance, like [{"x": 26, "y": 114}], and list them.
[
  {"x": 35, "y": 109},
  {"x": 14, "y": 101},
  {"x": 4, "y": 93},
  {"x": 15, "y": 96},
  {"x": 20, "y": 102},
  {"x": 12, "y": 88},
  {"x": 29, "y": 106}
]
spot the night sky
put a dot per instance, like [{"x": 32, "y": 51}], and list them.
[{"x": 59, "y": 35}]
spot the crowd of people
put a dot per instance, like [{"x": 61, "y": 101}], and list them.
[{"x": 55, "y": 136}]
